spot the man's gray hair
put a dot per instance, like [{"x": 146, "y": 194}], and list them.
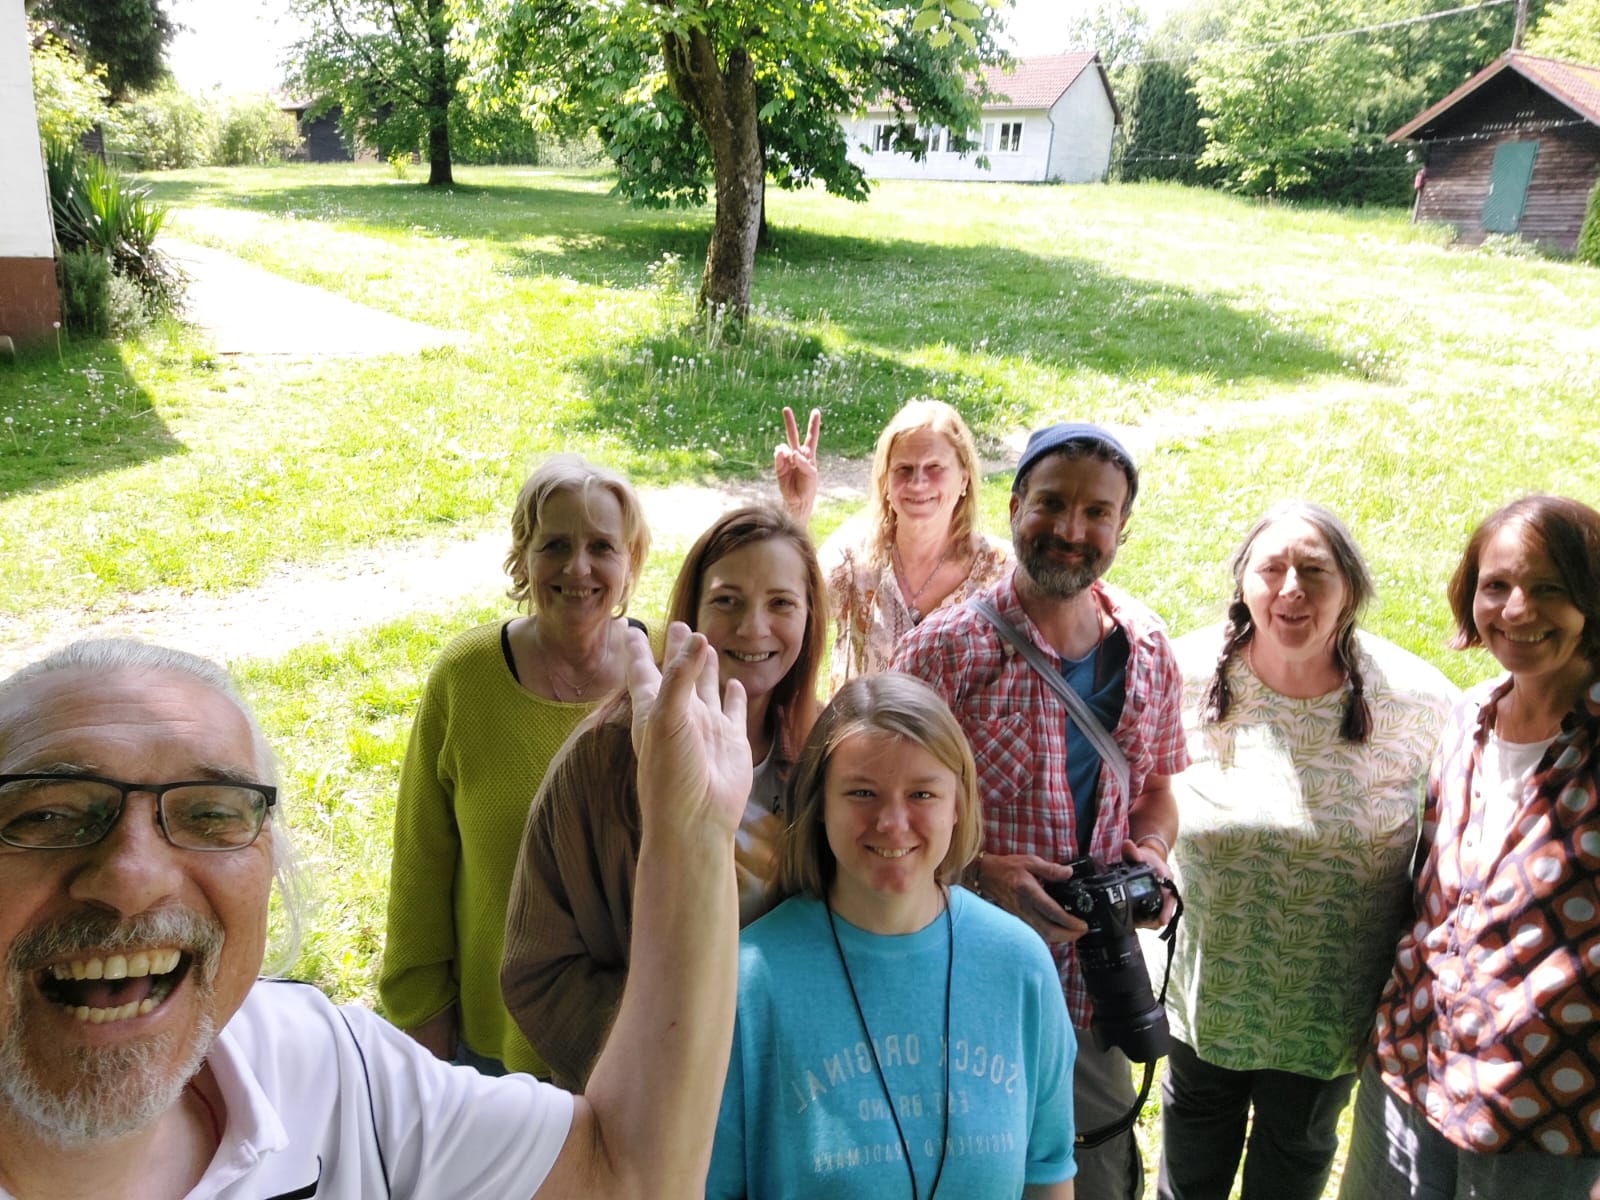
[{"x": 100, "y": 656}]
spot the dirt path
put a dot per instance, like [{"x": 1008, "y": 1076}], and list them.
[{"x": 368, "y": 587}]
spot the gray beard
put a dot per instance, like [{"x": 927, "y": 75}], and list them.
[
  {"x": 94, "y": 1094},
  {"x": 1053, "y": 579},
  {"x": 113, "y": 1092}
]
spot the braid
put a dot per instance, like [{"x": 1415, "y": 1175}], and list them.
[
  {"x": 1235, "y": 634},
  {"x": 1357, "y": 723}
]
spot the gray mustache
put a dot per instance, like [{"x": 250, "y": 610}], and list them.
[{"x": 83, "y": 931}]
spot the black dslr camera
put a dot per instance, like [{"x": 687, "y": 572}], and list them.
[{"x": 1112, "y": 900}]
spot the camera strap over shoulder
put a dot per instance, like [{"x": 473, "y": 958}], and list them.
[
  {"x": 1077, "y": 708},
  {"x": 1111, "y": 753}
]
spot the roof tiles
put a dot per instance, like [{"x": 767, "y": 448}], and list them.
[
  {"x": 1576, "y": 85},
  {"x": 1037, "y": 82}
]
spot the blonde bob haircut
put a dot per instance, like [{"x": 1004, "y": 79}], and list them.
[
  {"x": 890, "y": 705},
  {"x": 569, "y": 473},
  {"x": 914, "y": 416}
]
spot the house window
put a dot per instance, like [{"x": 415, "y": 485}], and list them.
[
  {"x": 883, "y": 138},
  {"x": 934, "y": 139},
  {"x": 1002, "y": 137}
]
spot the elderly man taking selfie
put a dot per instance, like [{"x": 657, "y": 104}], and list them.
[{"x": 141, "y": 1056}]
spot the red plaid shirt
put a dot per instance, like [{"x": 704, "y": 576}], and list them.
[
  {"x": 1490, "y": 1025},
  {"x": 1018, "y": 730}
]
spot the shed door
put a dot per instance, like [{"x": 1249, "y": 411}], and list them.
[{"x": 1508, "y": 186}]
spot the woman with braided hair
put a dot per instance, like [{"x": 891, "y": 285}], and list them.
[{"x": 1309, "y": 743}]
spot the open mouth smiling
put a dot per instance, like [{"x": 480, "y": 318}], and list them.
[
  {"x": 115, "y": 987},
  {"x": 741, "y": 656}
]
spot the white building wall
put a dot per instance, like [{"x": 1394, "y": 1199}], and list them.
[
  {"x": 1029, "y": 164},
  {"x": 1084, "y": 125},
  {"x": 24, "y": 202}
]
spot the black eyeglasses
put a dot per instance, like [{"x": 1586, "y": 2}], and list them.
[{"x": 60, "y": 811}]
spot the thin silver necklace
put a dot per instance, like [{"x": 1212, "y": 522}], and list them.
[
  {"x": 900, "y": 570},
  {"x": 558, "y": 681},
  {"x": 883, "y": 1081}
]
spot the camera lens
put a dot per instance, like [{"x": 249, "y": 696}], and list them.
[{"x": 1126, "y": 1014}]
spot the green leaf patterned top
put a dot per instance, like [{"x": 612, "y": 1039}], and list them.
[{"x": 1294, "y": 854}]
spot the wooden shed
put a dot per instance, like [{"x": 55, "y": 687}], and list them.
[
  {"x": 321, "y": 139},
  {"x": 1513, "y": 150}
]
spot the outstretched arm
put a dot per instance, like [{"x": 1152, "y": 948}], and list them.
[
  {"x": 644, "y": 1127},
  {"x": 795, "y": 465}
]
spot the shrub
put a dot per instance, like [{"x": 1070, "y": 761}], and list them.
[
  {"x": 97, "y": 210},
  {"x": 1588, "y": 249},
  {"x": 162, "y": 130},
  {"x": 69, "y": 97},
  {"x": 254, "y": 131},
  {"x": 84, "y": 280},
  {"x": 127, "y": 309}
]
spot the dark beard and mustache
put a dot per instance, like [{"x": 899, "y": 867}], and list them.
[
  {"x": 1059, "y": 580},
  {"x": 83, "y": 1094}
]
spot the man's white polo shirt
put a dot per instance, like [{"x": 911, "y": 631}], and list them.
[{"x": 336, "y": 1104}]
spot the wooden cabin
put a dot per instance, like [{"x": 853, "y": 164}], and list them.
[
  {"x": 1513, "y": 150},
  {"x": 321, "y": 139}
]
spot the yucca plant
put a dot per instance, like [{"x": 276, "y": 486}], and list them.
[{"x": 96, "y": 209}]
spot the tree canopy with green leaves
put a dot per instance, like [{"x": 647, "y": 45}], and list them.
[
  {"x": 126, "y": 38},
  {"x": 387, "y": 64},
  {"x": 710, "y": 97},
  {"x": 1299, "y": 95},
  {"x": 1569, "y": 29},
  {"x": 70, "y": 98}
]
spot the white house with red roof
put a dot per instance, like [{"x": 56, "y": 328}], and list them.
[{"x": 1050, "y": 120}]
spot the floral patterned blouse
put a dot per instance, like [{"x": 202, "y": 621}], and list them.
[
  {"x": 1293, "y": 857},
  {"x": 870, "y": 615}
]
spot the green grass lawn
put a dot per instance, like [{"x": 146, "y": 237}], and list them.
[{"x": 1265, "y": 351}]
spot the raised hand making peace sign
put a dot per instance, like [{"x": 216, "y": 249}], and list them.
[{"x": 795, "y": 465}]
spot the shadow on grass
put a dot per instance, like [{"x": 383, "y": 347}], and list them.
[
  {"x": 856, "y": 323},
  {"x": 73, "y": 415},
  {"x": 899, "y": 294},
  {"x": 1003, "y": 335}
]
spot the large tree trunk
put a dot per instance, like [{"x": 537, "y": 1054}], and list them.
[
  {"x": 723, "y": 102},
  {"x": 439, "y": 172}
]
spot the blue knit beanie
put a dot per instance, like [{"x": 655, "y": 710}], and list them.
[{"x": 1048, "y": 440}]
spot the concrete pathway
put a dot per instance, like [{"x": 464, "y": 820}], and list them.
[{"x": 247, "y": 311}]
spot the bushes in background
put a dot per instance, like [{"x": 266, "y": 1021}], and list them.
[
  {"x": 1588, "y": 250},
  {"x": 253, "y": 131},
  {"x": 161, "y": 130}
]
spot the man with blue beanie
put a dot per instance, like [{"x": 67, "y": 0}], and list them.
[{"x": 1048, "y": 795}]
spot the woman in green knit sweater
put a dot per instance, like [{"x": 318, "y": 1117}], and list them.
[{"x": 497, "y": 706}]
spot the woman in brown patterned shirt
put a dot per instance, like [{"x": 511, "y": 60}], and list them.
[
  {"x": 1484, "y": 1080},
  {"x": 915, "y": 548}
]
